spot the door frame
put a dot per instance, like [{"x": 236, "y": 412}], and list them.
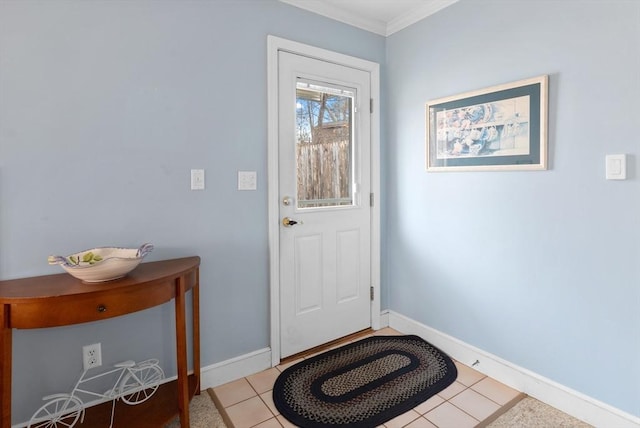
[{"x": 274, "y": 45}]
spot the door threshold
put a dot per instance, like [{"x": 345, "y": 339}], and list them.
[{"x": 326, "y": 346}]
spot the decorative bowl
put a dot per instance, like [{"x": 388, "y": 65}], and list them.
[{"x": 102, "y": 263}]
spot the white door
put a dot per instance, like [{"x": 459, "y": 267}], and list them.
[{"x": 324, "y": 187}]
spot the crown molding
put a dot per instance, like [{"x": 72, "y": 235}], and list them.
[
  {"x": 415, "y": 15},
  {"x": 328, "y": 10}
]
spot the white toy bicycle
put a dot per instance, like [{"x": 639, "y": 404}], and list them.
[{"x": 135, "y": 383}]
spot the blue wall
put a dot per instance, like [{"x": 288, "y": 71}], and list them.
[
  {"x": 105, "y": 106},
  {"x": 539, "y": 268}
]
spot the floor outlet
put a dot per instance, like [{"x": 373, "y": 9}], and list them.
[{"x": 91, "y": 356}]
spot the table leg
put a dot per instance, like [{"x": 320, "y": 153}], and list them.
[
  {"x": 181, "y": 349},
  {"x": 5, "y": 367},
  {"x": 195, "y": 306}
]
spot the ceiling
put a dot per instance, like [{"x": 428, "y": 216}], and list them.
[{"x": 383, "y": 17}]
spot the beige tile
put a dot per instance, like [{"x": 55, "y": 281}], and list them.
[
  {"x": 234, "y": 392},
  {"x": 263, "y": 381},
  {"x": 270, "y": 423},
  {"x": 431, "y": 403},
  {"x": 468, "y": 376},
  {"x": 267, "y": 397},
  {"x": 248, "y": 413},
  {"x": 402, "y": 420},
  {"x": 495, "y": 391},
  {"x": 284, "y": 422},
  {"x": 475, "y": 404},
  {"x": 447, "y": 415},
  {"x": 421, "y": 423},
  {"x": 452, "y": 390}
]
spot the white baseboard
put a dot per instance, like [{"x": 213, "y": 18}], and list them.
[
  {"x": 384, "y": 318},
  {"x": 235, "y": 368},
  {"x": 569, "y": 401}
]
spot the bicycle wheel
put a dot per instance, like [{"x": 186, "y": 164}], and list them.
[
  {"x": 57, "y": 413},
  {"x": 140, "y": 383}
]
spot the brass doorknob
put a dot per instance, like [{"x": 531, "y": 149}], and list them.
[{"x": 289, "y": 222}]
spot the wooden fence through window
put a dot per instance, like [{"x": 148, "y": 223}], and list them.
[{"x": 324, "y": 173}]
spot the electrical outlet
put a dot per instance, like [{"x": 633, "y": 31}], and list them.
[{"x": 91, "y": 356}]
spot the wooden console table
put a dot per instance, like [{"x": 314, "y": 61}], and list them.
[{"x": 58, "y": 300}]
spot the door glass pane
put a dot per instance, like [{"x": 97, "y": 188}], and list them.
[{"x": 324, "y": 145}]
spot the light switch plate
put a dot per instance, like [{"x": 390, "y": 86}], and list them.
[
  {"x": 197, "y": 179},
  {"x": 616, "y": 167},
  {"x": 247, "y": 180}
]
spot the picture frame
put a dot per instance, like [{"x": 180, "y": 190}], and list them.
[{"x": 498, "y": 128}]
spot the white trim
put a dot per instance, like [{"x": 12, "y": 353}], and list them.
[
  {"x": 376, "y": 26},
  {"x": 275, "y": 44},
  {"x": 384, "y": 319},
  {"x": 374, "y": 72},
  {"x": 572, "y": 402},
  {"x": 411, "y": 17},
  {"x": 235, "y": 368},
  {"x": 339, "y": 14}
]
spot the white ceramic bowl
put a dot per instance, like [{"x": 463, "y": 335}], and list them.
[{"x": 102, "y": 263}]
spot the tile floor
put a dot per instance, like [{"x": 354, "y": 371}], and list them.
[{"x": 473, "y": 400}]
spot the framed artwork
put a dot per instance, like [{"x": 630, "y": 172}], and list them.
[{"x": 503, "y": 127}]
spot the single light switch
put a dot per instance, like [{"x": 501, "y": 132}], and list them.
[
  {"x": 616, "y": 167},
  {"x": 197, "y": 179},
  {"x": 247, "y": 180}
]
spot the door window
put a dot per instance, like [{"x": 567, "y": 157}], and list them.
[{"x": 324, "y": 145}]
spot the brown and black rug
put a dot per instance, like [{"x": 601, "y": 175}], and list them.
[{"x": 363, "y": 384}]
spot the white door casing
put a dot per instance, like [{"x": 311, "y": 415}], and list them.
[{"x": 320, "y": 270}]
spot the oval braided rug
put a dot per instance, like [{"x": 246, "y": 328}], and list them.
[{"x": 362, "y": 384}]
